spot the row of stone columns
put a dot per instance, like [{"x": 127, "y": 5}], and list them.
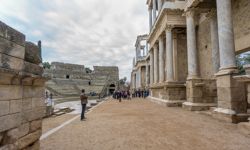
[
  {"x": 152, "y": 9},
  {"x": 222, "y": 40},
  {"x": 162, "y": 69}
]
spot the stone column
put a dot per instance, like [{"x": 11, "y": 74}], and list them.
[
  {"x": 161, "y": 60},
  {"x": 151, "y": 67},
  {"x": 150, "y": 18},
  {"x": 214, "y": 41},
  {"x": 226, "y": 34},
  {"x": 146, "y": 74},
  {"x": 191, "y": 45},
  {"x": 159, "y": 5},
  {"x": 169, "y": 54},
  {"x": 154, "y": 11},
  {"x": 156, "y": 67}
]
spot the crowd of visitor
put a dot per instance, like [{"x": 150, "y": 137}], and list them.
[{"x": 127, "y": 94}]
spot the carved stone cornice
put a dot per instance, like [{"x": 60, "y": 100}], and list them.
[{"x": 211, "y": 14}]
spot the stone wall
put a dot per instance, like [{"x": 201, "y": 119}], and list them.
[
  {"x": 21, "y": 91},
  {"x": 241, "y": 20},
  {"x": 182, "y": 57}
]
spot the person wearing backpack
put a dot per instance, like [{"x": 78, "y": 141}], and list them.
[{"x": 84, "y": 102}]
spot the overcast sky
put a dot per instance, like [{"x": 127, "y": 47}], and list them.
[{"x": 87, "y": 32}]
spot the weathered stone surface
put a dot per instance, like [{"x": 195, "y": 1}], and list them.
[
  {"x": 35, "y": 146},
  {"x": 34, "y": 114},
  {"x": 4, "y": 107},
  {"x": 29, "y": 139},
  {"x": 10, "y": 92},
  {"x": 27, "y": 91},
  {"x": 10, "y": 121},
  {"x": 38, "y": 92},
  {"x": 9, "y": 62},
  {"x": 32, "y": 53},
  {"x": 32, "y": 68},
  {"x": 13, "y": 135},
  {"x": 1, "y": 138},
  {"x": 11, "y": 48},
  {"x": 27, "y": 104},
  {"x": 35, "y": 125},
  {"x": 15, "y": 106},
  {"x": 38, "y": 102},
  {"x": 9, "y": 147},
  {"x": 11, "y": 34}
]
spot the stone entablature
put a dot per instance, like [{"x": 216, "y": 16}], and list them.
[
  {"x": 22, "y": 104},
  {"x": 167, "y": 19}
]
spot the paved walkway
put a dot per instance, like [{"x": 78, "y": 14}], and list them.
[{"x": 143, "y": 125}]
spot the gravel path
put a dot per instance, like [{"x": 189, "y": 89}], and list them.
[{"x": 143, "y": 125}]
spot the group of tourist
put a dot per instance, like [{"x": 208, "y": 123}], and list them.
[
  {"x": 126, "y": 94},
  {"x": 140, "y": 93},
  {"x": 122, "y": 95}
]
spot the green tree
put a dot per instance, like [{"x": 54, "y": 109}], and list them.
[
  {"x": 242, "y": 60},
  {"x": 46, "y": 65}
]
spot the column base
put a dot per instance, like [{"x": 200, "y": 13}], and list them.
[
  {"x": 198, "y": 106},
  {"x": 229, "y": 115},
  {"x": 167, "y": 103}
]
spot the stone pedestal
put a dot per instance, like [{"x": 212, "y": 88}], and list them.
[
  {"x": 201, "y": 94},
  {"x": 170, "y": 94},
  {"x": 232, "y": 104}
]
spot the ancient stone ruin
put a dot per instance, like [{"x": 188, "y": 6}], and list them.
[
  {"x": 21, "y": 91},
  {"x": 191, "y": 57},
  {"x": 67, "y": 80}
]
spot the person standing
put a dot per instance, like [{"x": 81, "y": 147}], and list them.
[{"x": 84, "y": 101}]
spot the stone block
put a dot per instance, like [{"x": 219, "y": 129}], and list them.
[
  {"x": 231, "y": 94},
  {"x": 38, "y": 102},
  {"x": 32, "y": 53},
  {"x": 38, "y": 91},
  {"x": 10, "y": 121},
  {"x": 4, "y": 108},
  {"x": 35, "y": 146},
  {"x": 6, "y": 76},
  {"x": 1, "y": 137},
  {"x": 9, "y": 62},
  {"x": 35, "y": 125},
  {"x": 11, "y": 34},
  {"x": 39, "y": 82},
  {"x": 34, "y": 114},
  {"x": 10, "y": 92},
  {"x": 27, "y": 91},
  {"x": 9, "y": 147},
  {"x": 14, "y": 134},
  {"x": 11, "y": 48},
  {"x": 27, "y": 104},
  {"x": 29, "y": 139},
  {"x": 15, "y": 106},
  {"x": 33, "y": 68}
]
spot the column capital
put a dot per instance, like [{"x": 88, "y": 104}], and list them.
[
  {"x": 212, "y": 13},
  {"x": 191, "y": 12},
  {"x": 169, "y": 28}
]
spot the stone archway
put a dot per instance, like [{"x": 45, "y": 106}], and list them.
[{"x": 111, "y": 88}]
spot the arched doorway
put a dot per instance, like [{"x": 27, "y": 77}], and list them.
[{"x": 111, "y": 88}]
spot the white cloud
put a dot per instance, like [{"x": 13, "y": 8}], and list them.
[{"x": 89, "y": 32}]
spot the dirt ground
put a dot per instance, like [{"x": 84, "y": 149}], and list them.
[{"x": 143, "y": 125}]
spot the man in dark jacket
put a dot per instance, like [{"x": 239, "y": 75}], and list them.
[{"x": 84, "y": 101}]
